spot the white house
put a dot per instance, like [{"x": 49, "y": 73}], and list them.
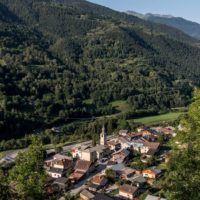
[{"x": 55, "y": 172}]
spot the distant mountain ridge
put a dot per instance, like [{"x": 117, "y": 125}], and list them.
[
  {"x": 159, "y": 15},
  {"x": 189, "y": 27},
  {"x": 144, "y": 16}
]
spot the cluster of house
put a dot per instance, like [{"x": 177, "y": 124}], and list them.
[{"x": 114, "y": 155}]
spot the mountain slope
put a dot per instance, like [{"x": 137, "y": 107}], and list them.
[
  {"x": 30, "y": 78},
  {"x": 188, "y": 27},
  {"x": 57, "y": 55},
  {"x": 69, "y": 17}
]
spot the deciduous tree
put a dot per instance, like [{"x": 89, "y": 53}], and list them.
[{"x": 28, "y": 175}]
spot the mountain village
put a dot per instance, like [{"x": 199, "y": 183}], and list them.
[
  {"x": 106, "y": 171},
  {"x": 99, "y": 101}
]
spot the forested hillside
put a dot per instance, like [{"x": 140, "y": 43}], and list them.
[{"x": 56, "y": 56}]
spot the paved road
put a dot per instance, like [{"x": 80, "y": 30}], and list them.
[
  {"x": 69, "y": 147},
  {"x": 12, "y": 155},
  {"x": 82, "y": 184}
]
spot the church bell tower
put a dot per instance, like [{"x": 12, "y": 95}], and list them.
[{"x": 103, "y": 139}]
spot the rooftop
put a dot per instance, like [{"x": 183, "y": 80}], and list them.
[
  {"x": 87, "y": 194},
  {"x": 63, "y": 162},
  {"x": 151, "y": 197},
  {"x": 128, "y": 189},
  {"x": 112, "y": 142},
  {"x": 138, "y": 179},
  {"x": 123, "y": 140},
  {"x": 61, "y": 157},
  {"x": 61, "y": 180},
  {"x": 151, "y": 152},
  {"x": 98, "y": 148},
  {"x": 77, "y": 175},
  {"x": 82, "y": 165},
  {"x": 98, "y": 179},
  {"x": 152, "y": 145},
  {"x": 127, "y": 171},
  {"x": 132, "y": 135},
  {"x": 118, "y": 167},
  {"x": 152, "y": 170},
  {"x": 55, "y": 170}
]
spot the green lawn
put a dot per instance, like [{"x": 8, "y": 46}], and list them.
[
  {"x": 120, "y": 106},
  {"x": 163, "y": 118}
]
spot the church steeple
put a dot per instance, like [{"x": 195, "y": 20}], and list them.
[{"x": 103, "y": 139}]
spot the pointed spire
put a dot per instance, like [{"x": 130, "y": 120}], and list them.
[
  {"x": 103, "y": 129},
  {"x": 103, "y": 139}
]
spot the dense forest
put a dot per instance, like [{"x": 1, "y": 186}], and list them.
[{"x": 67, "y": 59}]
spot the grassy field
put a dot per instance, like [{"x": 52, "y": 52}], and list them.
[
  {"x": 163, "y": 118},
  {"x": 120, "y": 106}
]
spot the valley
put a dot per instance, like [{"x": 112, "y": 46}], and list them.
[
  {"x": 97, "y": 103},
  {"x": 110, "y": 57}
]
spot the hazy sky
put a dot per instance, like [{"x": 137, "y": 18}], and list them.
[{"x": 189, "y": 9}]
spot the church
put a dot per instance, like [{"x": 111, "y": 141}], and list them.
[{"x": 97, "y": 152}]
